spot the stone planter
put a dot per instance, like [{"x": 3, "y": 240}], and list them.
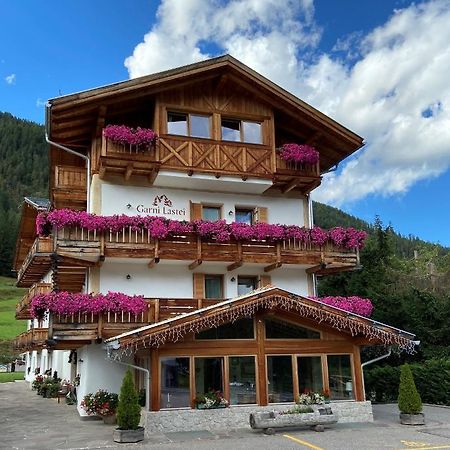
[
  {"x": 412, "y": 419},
  {"x": 128, "y": 436},
  {"x": 268, "y": 421},
  {"x": 109, "y": 420},
  {"x": 203, "y": 406}
]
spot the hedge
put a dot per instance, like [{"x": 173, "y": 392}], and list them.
[{"x": 432, "y": 379}]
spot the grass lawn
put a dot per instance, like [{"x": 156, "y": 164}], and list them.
[
  {"x": 9, "y": 297},
  {"x": 6, "y": 376}
]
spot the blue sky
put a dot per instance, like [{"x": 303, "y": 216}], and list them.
[{"x": 377, "y": 67}]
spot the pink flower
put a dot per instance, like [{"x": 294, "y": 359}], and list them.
[
  {"x": 303, "y": 154},
  {"x": 353, "y": 304},
  {"x": 126, "y": 135}
]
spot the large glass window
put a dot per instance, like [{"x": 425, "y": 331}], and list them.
[
  {"x": 242, "y": 380},
  {"x": 340, "y": 377},
  {"x": 184, "y": 124},
  {"x": 175, "y": 392},
  {"x": 208, "y": 375},
  {"x": 279, "y": 376},
  {"x": 241, "y": 131},
  {"x": 279, "y": 329},
  {"x": 199, "y": 126},
  {"x": 213, "y": 286},
  {"x": 241, "y": 329},
  {"x": 211, "y": 213},
  {"x": 177, "y": 123},
  {"x": 309, "y": 374},
  {"x": 243, "y": 215},
  {"x": 246, "y": 284}
]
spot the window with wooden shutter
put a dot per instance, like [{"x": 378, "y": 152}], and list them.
[
  {"x": 199, "y": 285},
  {"x": 196, "y": 211},
  {"x": 265, "y": 280},
  {"x": 262, "y": 215}
]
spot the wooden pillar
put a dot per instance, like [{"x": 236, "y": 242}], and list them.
[
  {"x": 261, "y": 361},
  {"x": 358, "y": 387},
  {"x": 295, "y": 377},
  {"x": 155, "y": 382}
]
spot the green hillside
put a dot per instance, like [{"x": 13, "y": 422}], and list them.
[{"x": 9, "y": 297}]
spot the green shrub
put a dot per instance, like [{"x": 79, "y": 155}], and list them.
[
  {"x": 128, "y": 411},
  {"x": 409, "y": 401},
  {"x": 432, "y": 380}
]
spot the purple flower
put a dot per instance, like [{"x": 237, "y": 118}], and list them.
[
  {"x": 126, "y": 135},
  {"x": 299, "y": 153}
]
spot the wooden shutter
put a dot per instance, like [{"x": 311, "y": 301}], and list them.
[
  {"x": 262, "y": 215},
  {"x": 196, "y": 211},
  {"x": 265, "y": 280},
  {"x": 199, "y": 285}
]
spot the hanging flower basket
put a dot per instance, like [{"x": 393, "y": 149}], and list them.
[
  {"x": 137, "y": 138},
  {"x": 299, "y": 154}
]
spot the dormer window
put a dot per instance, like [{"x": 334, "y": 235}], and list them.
[
  {"x": 184, "y": 124},
  {"x": 241, "y": 131}
]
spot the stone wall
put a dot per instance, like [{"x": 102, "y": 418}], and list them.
[{"x": 238, "y": 417}]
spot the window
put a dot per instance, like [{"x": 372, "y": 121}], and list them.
[
  {"x": 309, "y": 374},
  {"x": 241, "y": 131},
  {"x": 340, "y": 377},
  {"x": 247, "y": 284},
  {"x": 278, "y": 329},
  {"x": 240, "y": 329},
  {"x": 175, "y": 392},
  {"x": 185, "y": 124},
  {"x": 208, "y": 375},
  {"x": 211, "y": 213},
  {"x": 213, "y": 286},
  {"x": 242, "y": 380},
  {"x": 243, "y": 215},
  {"x": 279, "y": 375}
]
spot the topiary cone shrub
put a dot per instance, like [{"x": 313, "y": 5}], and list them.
[
  {"x": 129, "y": 410},
  {"x": 409, "y": 401}
]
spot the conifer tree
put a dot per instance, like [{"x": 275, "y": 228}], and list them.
[
  {"x": 409, "y": 401},
  {"x": 128, "y": 411}
]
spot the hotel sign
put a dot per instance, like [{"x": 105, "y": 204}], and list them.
[{"x": 163, "y": 206}]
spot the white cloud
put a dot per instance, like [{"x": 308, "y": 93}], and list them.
[
  {"x": 11, "y": 79},
  {"x": 40, "y": 103},
  {"x": 392, "y": 87}
]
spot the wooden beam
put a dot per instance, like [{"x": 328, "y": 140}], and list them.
[
  {"x": 272, "y": 267},
  {"x": 235, "y": 265},
  {"x": 153, "y": 262},
  {"x": 100, "y": 120},
  {"x": 195, "y": 264},
  {"x": 129, "y": 171},
  {"x": 291, "y": 185},
  {"x": 316, "y": 269}
]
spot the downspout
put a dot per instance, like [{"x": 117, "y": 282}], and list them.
[
  {"x": 371, "y": 362},
  {"x": 69, "y": 150},
  {"x": 72, "y": 152},
  {"x": 109, "y": 348},
  {"x": 310, "y": 225}
]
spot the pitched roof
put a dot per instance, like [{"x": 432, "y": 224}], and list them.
[
  {"x": 270, "y": 297},
  {"x": 38, "y": 202}
]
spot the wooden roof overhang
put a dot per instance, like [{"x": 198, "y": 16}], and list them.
[
  {"x": 74, "y": 118},
  {"x": 368, "y": 332},
  {"x": 31, "y": 207}
]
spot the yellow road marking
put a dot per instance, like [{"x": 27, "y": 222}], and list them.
[{"x": 306, "y": 444}]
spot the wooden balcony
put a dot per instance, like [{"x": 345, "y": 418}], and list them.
[
  {"x": 33, "y": 339},
  {"x": 72, "y": 331},
  {"x": 79, "y": 244},
  {"x": 37, "y": 262},
  {"x": 69, "y": 189},
  {"x": 22, "y": 308},
  {"x": 207, "y": 156}
]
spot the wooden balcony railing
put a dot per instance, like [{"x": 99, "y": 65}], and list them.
[
  {"x": 33, "y": 339},
  {"x": 91, "y": 246},
  {"x": 22, "y": 308},
  {"x": 73, "y": 329},
  {"x": 206, "y": 156},
  {"x": 69, "y": 189},
  {"x": 37, "y": 262}
]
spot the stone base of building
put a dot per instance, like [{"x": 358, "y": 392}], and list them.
[{"x": 238, "y": 417}]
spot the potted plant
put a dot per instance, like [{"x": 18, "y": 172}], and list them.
[
  {"x": 210, "y": 400},
  {"x": 128, "y": 413},
  {"x": 103, "y": 404},
  {"x": 409, "y": 401}
]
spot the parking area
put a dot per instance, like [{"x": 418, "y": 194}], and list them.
[{"x": 28, "y": 421}]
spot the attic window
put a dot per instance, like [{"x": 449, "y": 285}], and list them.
[
  {"x": 241, "y": 131},
  {"x": 184, "y": 124}
]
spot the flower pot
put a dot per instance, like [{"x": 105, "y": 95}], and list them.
[
  {"x": 111, "y": 419},
  {"x": 412, "y": 419},
  {"x": 128, "y": 436}
]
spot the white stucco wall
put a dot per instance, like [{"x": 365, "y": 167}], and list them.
[
  {"x": 96, "y": 372},
  {"x": 115, "y": 198},
  {"x": 176, "y": 280}
]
